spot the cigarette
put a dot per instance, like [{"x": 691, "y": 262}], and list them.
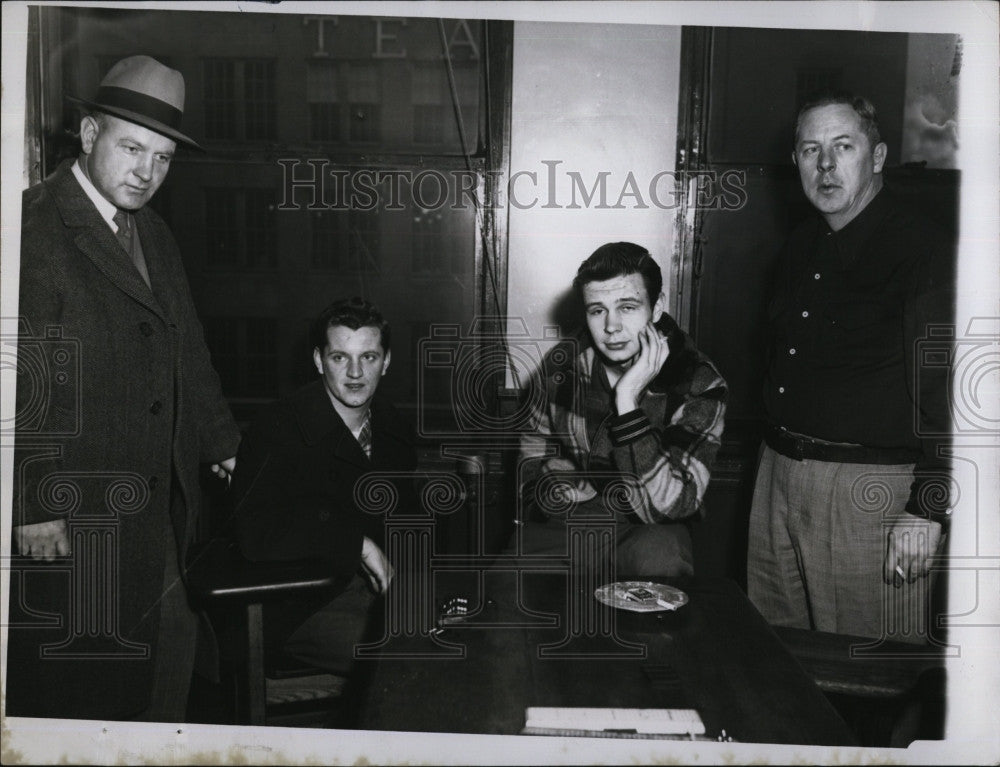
[{"x": 899, "y": 572}]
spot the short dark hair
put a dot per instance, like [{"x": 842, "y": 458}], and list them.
[
  {"x": 617, "y": 259},
  {"x": 862, "y": 106},
  {"x": 353, "y": 313}
]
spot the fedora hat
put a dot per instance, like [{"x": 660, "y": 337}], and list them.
[{"x": 142, "y": 90}]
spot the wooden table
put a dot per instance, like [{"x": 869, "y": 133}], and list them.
[{"x": 715, "y": 654}]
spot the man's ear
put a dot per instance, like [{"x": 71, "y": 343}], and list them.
[
  {"x": 385, "y": 362},
  {"x": 318, "y": 360},
  {"x": 879, "y": 155},
  {"x": 795, "y": 159},
  {"x": 88, "y": 133},
  {"x": 659, "y": 307}
]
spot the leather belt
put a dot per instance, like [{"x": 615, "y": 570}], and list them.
[{"x": 800, "y": 447}]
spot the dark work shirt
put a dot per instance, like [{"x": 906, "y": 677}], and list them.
[{"x": 849, "y": 313}]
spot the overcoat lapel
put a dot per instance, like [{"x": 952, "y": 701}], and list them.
[
  {"x": 96, "y": 241},
  {"x": 318, "y": 420}
]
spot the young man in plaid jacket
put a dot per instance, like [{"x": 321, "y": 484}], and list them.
[{"x": 628, "y": 427}]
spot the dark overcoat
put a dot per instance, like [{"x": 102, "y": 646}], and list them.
[
  {"x": 296, "y": 489},
  {"x": 117, "y": 404}
]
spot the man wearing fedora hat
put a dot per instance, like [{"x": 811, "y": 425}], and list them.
[{"x": 107, "y": 488}]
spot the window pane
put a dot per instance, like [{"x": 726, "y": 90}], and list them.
[
  {"x": 363, "y": 241},
  {"x": 220, "y": 99},
  {"x": 428, "y": 253},
  {"x": 222, "y": 241},
  {"x": 365, "y": 122},
  {"x": 321, "y": 82},
  {"x": 260, "y": 207},
  {"x": 324, "y": 122},
  {"x": 258, "y": 87},
  {"x": 327, "y": 231}
]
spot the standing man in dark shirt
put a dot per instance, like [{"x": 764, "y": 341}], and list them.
[{"x": 850, "y": 499}]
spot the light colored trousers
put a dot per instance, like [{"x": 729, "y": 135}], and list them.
[{"x": 817, "y": 542}]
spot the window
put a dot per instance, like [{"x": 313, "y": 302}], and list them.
[
  {"x": 245, "y": 354},
  {"x": 362, "y": 241},
  {"x": 239, "y": 99},
  {"x": 258, "y": 93},
  {"x": 220, "y": 99},
  {"x": 324, "y": 109},
  {"x": 345, "y": 240},
  {"x": 327, "y": 238},
  {"x": 363, "y": 94},
  {"x": 433, "y": 112},
  {"x": 239, "y": 228},
  {"x": 364, "y": 99}
]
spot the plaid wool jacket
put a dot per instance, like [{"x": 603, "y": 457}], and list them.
[{"x": 662, "y": 451}]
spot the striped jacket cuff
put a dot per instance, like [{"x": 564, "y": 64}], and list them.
[{"x": 628, "y": 427}]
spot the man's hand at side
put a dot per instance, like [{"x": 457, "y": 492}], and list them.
[
  {"x": 224, "y": 469},
  {"x": 912, "y": 542},
  {"x": 376, "y": 565},
  {"x": 653, "y": 352},
  {"x": 44, "y": 540}
]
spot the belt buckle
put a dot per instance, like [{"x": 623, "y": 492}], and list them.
[{"x": 800, "y": 448}]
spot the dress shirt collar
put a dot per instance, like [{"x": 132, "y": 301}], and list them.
[
  {"x": 850, "y": 239},
  {"x": 105, "y": 208}
]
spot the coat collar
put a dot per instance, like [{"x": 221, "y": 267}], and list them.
[
  {"x": 95, "y": 239},
  {"x": 318, "y": 420}
]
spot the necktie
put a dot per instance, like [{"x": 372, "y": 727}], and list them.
[
  {"x": 124, "y": 233},
  {"x": 365, "y": 435}
]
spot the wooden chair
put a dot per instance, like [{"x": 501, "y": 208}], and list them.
[{"x": 234, "y": 592}]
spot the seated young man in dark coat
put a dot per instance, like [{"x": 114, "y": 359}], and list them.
[{"x": 299, "y": 468}]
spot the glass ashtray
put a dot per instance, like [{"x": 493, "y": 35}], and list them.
[{"x": 641, "y": 596}]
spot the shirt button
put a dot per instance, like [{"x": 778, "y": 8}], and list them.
[
  {"x": 781, "y": 390},
  {"x": 792, "y": 350},
  {"x": 324, "y": 516},
  {"x": 153, "y": 482},
  {"x": 816, "y": 276},
  {"x": 156, "y": 407},
  {"x": 805, "y": 314},
  {"x": 146, "y": 329}
]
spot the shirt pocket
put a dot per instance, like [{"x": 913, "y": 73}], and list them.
[
  {"x": 854, "y": 317},
  {"x": 858, "y": 334}
]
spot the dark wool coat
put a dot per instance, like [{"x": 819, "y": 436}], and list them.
[
  {"x": 118, "y": 404},
  {"x": 294, "y": 489}
]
